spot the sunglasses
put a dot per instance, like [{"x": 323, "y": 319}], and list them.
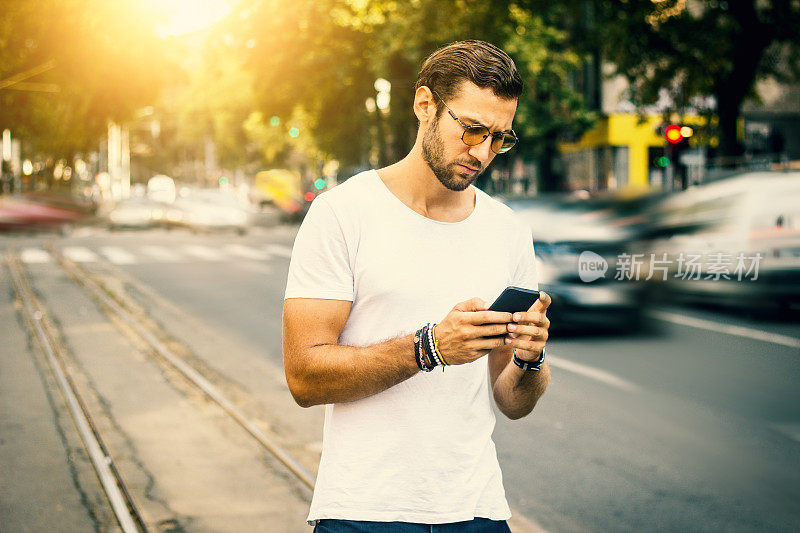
[{"x": 475, "y": 134}]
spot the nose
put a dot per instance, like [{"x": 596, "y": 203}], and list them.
[{"x": 483, "y": 151}]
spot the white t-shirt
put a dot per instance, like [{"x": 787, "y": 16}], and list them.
[{"x": 420, "y": 451}]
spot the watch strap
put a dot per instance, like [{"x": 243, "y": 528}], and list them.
[{"x": 533, "y": 366}]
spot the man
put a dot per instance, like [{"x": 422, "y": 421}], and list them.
[{"x": 377, "y": 267}]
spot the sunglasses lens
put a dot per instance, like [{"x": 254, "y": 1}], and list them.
[
  {"x": 503, "y": 143},
  {"x": 475, "y": 135}
]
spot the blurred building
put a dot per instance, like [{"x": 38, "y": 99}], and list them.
[
  {"x": 773, "y": 124},
  {"x": 626, "y": 149}
]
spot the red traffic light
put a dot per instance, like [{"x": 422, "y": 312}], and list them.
[{"x": 673, "y": 133}]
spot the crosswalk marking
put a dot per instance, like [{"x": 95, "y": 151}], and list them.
[
  {"x": 279, "y": 249},
  {"x": 255, "y": 267},
  {"x": 137, "y": 254},
  {"x": 203, "y": 252},
  {"x": 34, "y": 255},
  {"x": 79, "y": 254},
  {"x": 246, "y": 252},
  {"x": 118, "y": 256},
  {"x": 161, "y": 253}
]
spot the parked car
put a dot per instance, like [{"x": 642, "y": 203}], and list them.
[
  {"x": 282, "y": 189},
  {"x": 744, "y": 236},
  {"x": 136, "y": 213},
  {"x": 161, "y": 188},
  {"x": 211, "y": 209},
  {"x": 567, "y": 233}
]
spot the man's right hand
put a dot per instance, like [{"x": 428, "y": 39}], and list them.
[{"x": 469, "y": 332}]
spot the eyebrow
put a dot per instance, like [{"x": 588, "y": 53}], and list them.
[{"x": 467, "y": 118}]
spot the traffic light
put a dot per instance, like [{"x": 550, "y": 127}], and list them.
[
  {"x": 319, "y": 184},
  {"x": 675, "y": 133},
  {"x": 677, "y": 137}
]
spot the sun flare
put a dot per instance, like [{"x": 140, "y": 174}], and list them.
[{"x": 181, "y": 17}]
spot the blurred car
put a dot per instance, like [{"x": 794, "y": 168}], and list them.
[
  {"x": 567, "y": 233},
  {"x": 281, "y": 189},
  {"x": 210, "y": 209},
  {"x": 42, "y": 211},
  {"x": 748, "y": 224},
  {"x": 136, "y": 213},
  {"x": 161, "y": 188}
]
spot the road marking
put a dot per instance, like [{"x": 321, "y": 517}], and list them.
[
  {"x": 738, "y": 331},
  {"x": 203, "y": 252},
  {"x": 79, "y": 254},
  {"x": 161, "y": 253},
  {"x": 790, "y": 430},
  {"x": 118, "y": 256},
  {"x": 246, "y": 252},
  {"x": 519, "y": 523},
  {"x": 255, "y": 267},
  {"x": 279, "y": 249},
  {"x": 34, "y": 255},
  {"x": 593, "y": 373}
]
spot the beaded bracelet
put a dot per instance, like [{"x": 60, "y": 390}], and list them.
[
  {"x": 426, "y": 351},
  {"x": 436, "y": 347}
]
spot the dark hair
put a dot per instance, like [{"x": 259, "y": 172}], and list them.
[{"x": 480, "y": 62}]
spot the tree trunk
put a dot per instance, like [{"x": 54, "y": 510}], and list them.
[
  {"x": 749, "y": 43},
  {"x": 549, "y": 179}
]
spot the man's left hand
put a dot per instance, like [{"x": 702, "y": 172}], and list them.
[{"x": 529, "y": 331}]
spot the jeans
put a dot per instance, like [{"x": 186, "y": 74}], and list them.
[{"x": 477, "y": 525}]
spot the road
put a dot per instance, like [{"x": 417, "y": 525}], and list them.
[{"x": 684, "y": 428}]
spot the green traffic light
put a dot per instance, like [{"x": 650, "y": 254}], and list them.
[
  {"x": 294, "y": 132},
  {"x": 275, "y": 120},
  {"x": 319, "y": 183},
  {"x": 662, "y": 161}
]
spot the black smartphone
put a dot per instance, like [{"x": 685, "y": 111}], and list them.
[{"x": 514, "y": 299}]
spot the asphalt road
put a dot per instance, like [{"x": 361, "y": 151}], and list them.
[{"x": 683, "y": 428}]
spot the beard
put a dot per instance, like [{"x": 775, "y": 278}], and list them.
[{"x": 446, "y": 173}]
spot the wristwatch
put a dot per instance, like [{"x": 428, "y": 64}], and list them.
[{"x": 533, "y": 366}]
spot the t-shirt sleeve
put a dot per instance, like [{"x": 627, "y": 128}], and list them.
[
  {"x": 525, "y": 272},
  {"x": 320, "y": 264}
]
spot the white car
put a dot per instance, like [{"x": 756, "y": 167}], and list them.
[
  {"x": 743, "y": 236},
  {"x": 211, "y": 209}
]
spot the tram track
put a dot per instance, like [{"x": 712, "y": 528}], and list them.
[
  {"x": 300, "y": 481},
  {"x": 106, "y": 299},
  {"x": 122, "y": 503}
]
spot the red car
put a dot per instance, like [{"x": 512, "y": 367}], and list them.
[{"x": 41, "y": 210}]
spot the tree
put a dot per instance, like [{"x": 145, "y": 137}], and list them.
[
  {"x": 107, "y": 60},
  {"x": 338, "y": 49},
  {"x": 718, "y": 48},
  {"x": 311, "y": 71}
]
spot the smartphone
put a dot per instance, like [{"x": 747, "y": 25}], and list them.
[{"x": 514, "y": 299}]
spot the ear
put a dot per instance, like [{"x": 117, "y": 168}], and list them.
[{"x": 424, "y": 105}]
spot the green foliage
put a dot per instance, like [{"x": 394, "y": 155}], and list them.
[
  {"x": 303, "y": 59},
  {"x": 718, "y": 48},
  {"x": 325, "y": 56},
  {"x": 551, "y": 106},
  {"x": 108, "y": 62}
]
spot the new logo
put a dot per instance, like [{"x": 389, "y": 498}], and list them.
[{"x": 591, "y": 266}]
